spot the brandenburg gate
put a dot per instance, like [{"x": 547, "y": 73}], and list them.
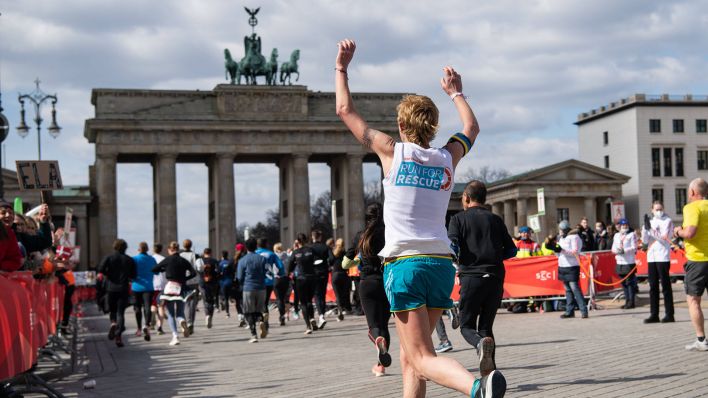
[{"x": 285, "y": 125}]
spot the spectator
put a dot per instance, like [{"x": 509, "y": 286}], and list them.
[
  {"x": 656, "y": 232},
  {"x": 586, "y": 235},
  {"x": 32, "y": 243},
  {"x": 602, "y": 240},
  {"x": 624, "y": 245},
  {"x": 10, "y": 255},
  {"x": 549, "y": 245},
  {"x": 525, "y": 246},
  {"x": 569, "y": 245}
]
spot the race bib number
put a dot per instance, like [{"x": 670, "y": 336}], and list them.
[{"x": 173, "y": 288}]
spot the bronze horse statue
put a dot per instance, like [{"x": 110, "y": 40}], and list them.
[
  {"x": 271, "y": 68},
  {"x": 231, "y": 67},
  {"x": 253, "y": 64},
  {"x": 290, "y": 67}
]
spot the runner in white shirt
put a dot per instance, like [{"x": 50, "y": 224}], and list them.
[
  {"x": 418, "y": 273},
  {"x": 158, "y": 283},
  {"x": 656, "y": 235}
]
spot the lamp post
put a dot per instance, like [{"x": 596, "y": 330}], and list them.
[{"x": 37, "y": 98}]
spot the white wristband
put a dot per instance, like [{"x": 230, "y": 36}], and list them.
[{"x": 457, "y": 94}]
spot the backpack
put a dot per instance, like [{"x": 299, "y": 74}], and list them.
[{"x": 209, "y": 272}]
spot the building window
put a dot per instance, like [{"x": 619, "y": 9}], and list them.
[
  {"x": 655, "y": 125},
  {"x": 703, "y": 160},
  {"x": 680, "y": 200},
  {"x": 607, "y": 162},
  {"x": 678, "y": 125},
  {"x": 667, "y": 163},
  {"x": 701, "y": 126},
  {"x": 605, "y": 138},
  {"x": 679, "y": 161},
  {"x": 563, "y": 214},
  {"x": 656, "y": 162},
  {"x": 657, "y": 195}
]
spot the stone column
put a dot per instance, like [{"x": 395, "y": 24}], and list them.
[
  {"x": 221, "y": 176},
  {"x": 107, "y": 204},
  {"x": 509, "y": 220},
  {"x": 300, "y": 194},
  {"x": 521, "y": 211},
  {"x": 590, "y": 208},
  {"x": 165, "y": 193},
  {"x": 498, "y": 208},
  {"x": 354, "y": 198},
  {"x": 294, "y": 197}
]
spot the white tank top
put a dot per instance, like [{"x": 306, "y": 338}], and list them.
[{"x": 417, "y": 192}]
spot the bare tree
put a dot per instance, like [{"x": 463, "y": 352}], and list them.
[
  {"x": 321, "y": 214},
  {"x": 486, "y": 174},
  {"x": 372, "y": 193}
]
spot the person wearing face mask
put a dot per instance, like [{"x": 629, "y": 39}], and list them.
[
  {"x": 624, "y": 246},
  {"x": 602, "y": 240},
  {"x": 569, "y": 245},
  {"x": 656, "y": 234}
]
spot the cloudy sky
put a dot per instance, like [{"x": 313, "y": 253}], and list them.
[{"x": 528, "y": 67}]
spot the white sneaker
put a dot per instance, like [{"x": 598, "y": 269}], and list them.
[
  {"x": 175, "y": 340},
  {"x": 208, "y": 321},
  {"x": 698, "y": 346},
  {"x": 253, "y": 339},
  {"x": 296, "y": 315},
  {"x": 321, "y": 322},
  {"x": 308, "y": 331}
]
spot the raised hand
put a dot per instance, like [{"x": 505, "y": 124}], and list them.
[
  {"x": 451, "y": 82},
  {"x": 345, "y": 54},
  {"x": 43, "y": 215}
]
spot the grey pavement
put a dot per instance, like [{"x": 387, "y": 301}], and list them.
[{"x": 611, "y": 354}]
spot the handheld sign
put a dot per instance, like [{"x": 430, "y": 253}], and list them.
[{"x": 38, "y": 175}]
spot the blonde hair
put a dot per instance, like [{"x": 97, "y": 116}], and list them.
[
  {"x": 278, "y": 247},
  {"x": 418, "y": 116}
]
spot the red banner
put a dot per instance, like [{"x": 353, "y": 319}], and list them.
[{"x": 678, "y": 260}]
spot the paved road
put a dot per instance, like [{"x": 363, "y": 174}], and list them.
[{"x": 611, "y": 354}]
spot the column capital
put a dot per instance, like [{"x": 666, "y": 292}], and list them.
[
  {"x": 227, "y": 155},
  {"x": 168, "y": 155},
  {"x": 301, "y": 155},
  {"x": 107, "y": 156}
]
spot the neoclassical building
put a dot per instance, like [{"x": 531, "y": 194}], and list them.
[{"x": 573, "y": 189}]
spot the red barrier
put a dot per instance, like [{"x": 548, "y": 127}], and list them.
[
  {"x": 16, "y": 318},
  {"x": 678, "y": 260},
  {"x": 29, "y": 311}
]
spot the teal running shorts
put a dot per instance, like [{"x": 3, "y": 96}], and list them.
[{"x": 412, "y": 282}]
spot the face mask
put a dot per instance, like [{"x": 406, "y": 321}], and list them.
[
  {"x": 658, "y": 214},
  {"x": 624, "y": 230}
]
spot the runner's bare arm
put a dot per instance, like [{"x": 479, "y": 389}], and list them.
[
  {"x": 382, "y": 144},
  {"x": 452, "y": 84}
]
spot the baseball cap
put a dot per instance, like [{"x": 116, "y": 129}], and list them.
[
  {"x": 240, "y": 247},
  {"x": 623, "y": 222},
  {"x": 564, "y": 225},
  {"x": 524, "y": 229}
]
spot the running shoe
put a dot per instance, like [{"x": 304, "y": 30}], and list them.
[
  {"x": 174, "y": 341},
  {"x": 313, "y": 324},
  {"x": 160, "y": 331},
  {"x": 378, "y": 370},
  {"x": 443, "y": 347},
  {"x": 253, "y": 339},
  {"x": 282, "y": 321},
  {"x": 119, "y": 341},
  {"x": 455, "y": 315},
  {"x": 263, "y": 330},
  {"x": 340, "y": 316},
  {"x": 486, "y": 356},
  {"x": 184, "y": 327},
  {"x": 308, "y": 331},
  {"x": 490, "y": 386},
  {"x": 137, "y": 333},
  {"x": 208, "y": 321},
  {"x": 296, "y": 315},
  {"x": 191, "y": 329},
  {"x": 146, "y": 334},
  {"x": 242, "y": 322},
  {"x": 321, "y": 322},
  {"x": 384, "y": 356},
  {"x": 112, "y": 331},
  {"x": 698, "y": 346}
]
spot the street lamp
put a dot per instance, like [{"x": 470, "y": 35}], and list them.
[{"x": 37, "y": 98}]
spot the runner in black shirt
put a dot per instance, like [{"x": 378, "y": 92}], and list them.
[{"x": 302, "y": 266}]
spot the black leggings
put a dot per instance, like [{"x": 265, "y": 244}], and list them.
[
  {"x": 321, "y": 293},
  {"x": 342, "y": 284},
  {"x": 305, "y": 291},
  {"x": 376, "y": 306},
  {"x": 117, "y": 303},
  {"x": 479, "y": 300},
  {"x": 281, "y": 291},
  {"x": 143, "y": 301},
  {"x": 210, "y": 291}
]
